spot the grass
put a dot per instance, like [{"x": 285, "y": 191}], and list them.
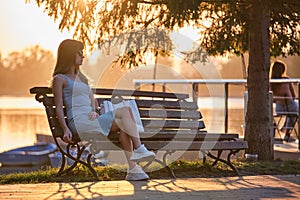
[{"x": 181, "y": 168}]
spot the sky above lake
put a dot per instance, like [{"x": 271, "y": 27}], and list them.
[{"x": 24, "y": 25}]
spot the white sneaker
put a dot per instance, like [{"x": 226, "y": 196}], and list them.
[
  {"x": 99, "y": 155},
  {"x": 142, "y": 154},
  {"x": 136, "y": 174}
]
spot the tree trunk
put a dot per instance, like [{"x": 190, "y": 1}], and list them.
[{"x": 258, "y": 119}]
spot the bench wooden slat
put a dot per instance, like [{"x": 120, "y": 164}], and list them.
[
  {"x": 170, "y": 135},
  {"x": 182, "y": 145},
  {"x": 181, "y": 135},
  {"x": 173, "y": 124},
  {"x": 40, "y": 90},
  {"x": 170, "y": 114},
  {"x": 137, "y": 93},
  {"x": 159, "y": 104},
  {"x": 155, "y": 104},
  {"x": 101, "y": 91},
  {"x": 196, "y": 145}
]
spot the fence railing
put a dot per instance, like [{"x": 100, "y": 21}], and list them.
[{"x": 194, "y": 83}]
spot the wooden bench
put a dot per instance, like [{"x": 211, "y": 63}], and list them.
[{"x": 171, "y": 123}]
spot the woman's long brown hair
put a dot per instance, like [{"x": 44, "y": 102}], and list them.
[{"x": 66, "y": 56}]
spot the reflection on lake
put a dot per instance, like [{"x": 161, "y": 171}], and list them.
[
  {"x": 21, "y": 118},
  {"x": 19, "y": 126}
]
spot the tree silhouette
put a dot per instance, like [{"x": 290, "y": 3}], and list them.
[{"x": 22, "y": 70}]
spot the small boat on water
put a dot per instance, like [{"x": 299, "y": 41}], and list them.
[{"x": 37, "y": 154}]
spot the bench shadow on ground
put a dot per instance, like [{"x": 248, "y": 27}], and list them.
[
  {"x": 167, "y": 189},
  {"x": 292, "y": 179}
]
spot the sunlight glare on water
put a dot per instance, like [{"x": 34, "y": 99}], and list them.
[
  {"x": 20, "y": 119},
  {"x": 19, "y": 102}
]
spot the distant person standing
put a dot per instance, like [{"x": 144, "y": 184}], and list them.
[{"x": 284, "y": 97}]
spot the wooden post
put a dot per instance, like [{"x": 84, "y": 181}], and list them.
[
  {"x": 226, "y": 107},
  {"x": 164, "y": 87},
  {"x": 195, "y": 92},
  {"x": 137, "y": 86}
]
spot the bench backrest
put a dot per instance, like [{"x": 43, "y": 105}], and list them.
[{"x": 159, "y": 111}]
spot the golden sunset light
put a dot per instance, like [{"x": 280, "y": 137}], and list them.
[
  {"x": 23, "y": 25},
  {"x": 147, "y": 99}
]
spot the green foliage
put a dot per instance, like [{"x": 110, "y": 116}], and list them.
[
  {"x": 224, "y": 24},
  {"x": 231, "y": 23},
  {"x": 285, "y": 29},
  {"x": 227, "y": 29},
  {"x": 137, "y": 45}
]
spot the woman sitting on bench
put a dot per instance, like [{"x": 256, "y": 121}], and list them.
[
  {"x": 284, "y": 96},
  {"x": 70, "y": 88}
]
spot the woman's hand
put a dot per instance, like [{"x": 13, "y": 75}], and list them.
[
  {"x": 93, "y": 115},
  {"x": 67, "y": 136}
]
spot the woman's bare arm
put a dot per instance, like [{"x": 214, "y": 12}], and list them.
[
  {"x": 58, "y": 85},
  {"x": 94, "y": 103}
]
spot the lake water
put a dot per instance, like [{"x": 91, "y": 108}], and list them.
[{"x": 21, "y": 118}]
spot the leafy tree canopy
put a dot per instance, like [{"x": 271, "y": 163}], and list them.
[{"x": 223, "y": 24}]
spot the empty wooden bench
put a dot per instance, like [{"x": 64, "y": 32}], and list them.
[{"x": 171, "y": 123}]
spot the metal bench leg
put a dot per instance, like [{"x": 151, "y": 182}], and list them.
[
  {"x": 233, "y": 152},
  {"x": 62, "y": 165},
  {"x": 228, "y": 161},
  {"x": 204, "y": 156},
  {"x": 163, "y": 163},
  {"x": 63, "y": 158},
  {"x": 217, "y": 158},
  {"x": 166, "y": 165},
  {"x": 63, "y": 168},
  {"x": 76, "y": 160},
  {"x": 89, "y": 166}
]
